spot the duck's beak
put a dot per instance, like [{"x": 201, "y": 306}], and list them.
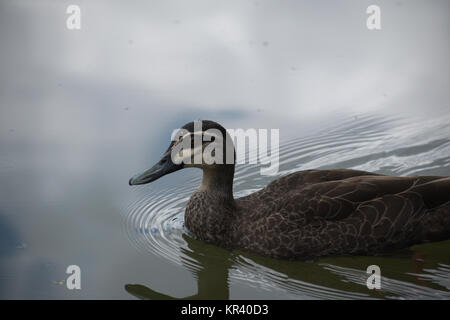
[{"x": 163, "y": 167}]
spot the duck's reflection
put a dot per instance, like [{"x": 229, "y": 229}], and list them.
[
  {"x": 210, "y": 265},
  {"x": 211, "y": 272}
]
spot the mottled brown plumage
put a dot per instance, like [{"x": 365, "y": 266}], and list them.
[{"x": 318, "y": 212}]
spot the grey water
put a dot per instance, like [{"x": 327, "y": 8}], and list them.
[
  {"x": 130, "y": 241},
  {"x": 83, "y": 111}
]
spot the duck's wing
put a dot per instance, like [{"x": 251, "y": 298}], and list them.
[
  {"x": 301, "y": 179},
  {"x": 334, "y": 195},
  {"x": 337, "y": 199},
  {"x": 297, "y": 181},
  {"x": 419, "y": 213}
]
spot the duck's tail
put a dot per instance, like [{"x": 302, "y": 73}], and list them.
[
  {"x": 436, "y": 196},
  {"x": 436, "y": 223}
]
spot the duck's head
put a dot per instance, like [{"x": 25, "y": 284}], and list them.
[{"x": 202, "y": 144}]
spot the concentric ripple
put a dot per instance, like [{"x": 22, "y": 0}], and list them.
[{"x": 155, "y": 221}]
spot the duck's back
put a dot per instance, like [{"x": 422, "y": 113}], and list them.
[{"x": 327, "y": 212}]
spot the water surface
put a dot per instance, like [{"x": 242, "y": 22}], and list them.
[{"x": 130, "y": 241}]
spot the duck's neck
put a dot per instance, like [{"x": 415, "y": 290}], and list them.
[
  {"x": 211, "y": 208},
  {"x": 219, "y": 181}
]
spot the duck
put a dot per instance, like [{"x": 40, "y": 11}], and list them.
[{"x": 305, "y": 214}]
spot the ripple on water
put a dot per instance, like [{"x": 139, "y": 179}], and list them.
[{"x": 155, "y": 221}]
